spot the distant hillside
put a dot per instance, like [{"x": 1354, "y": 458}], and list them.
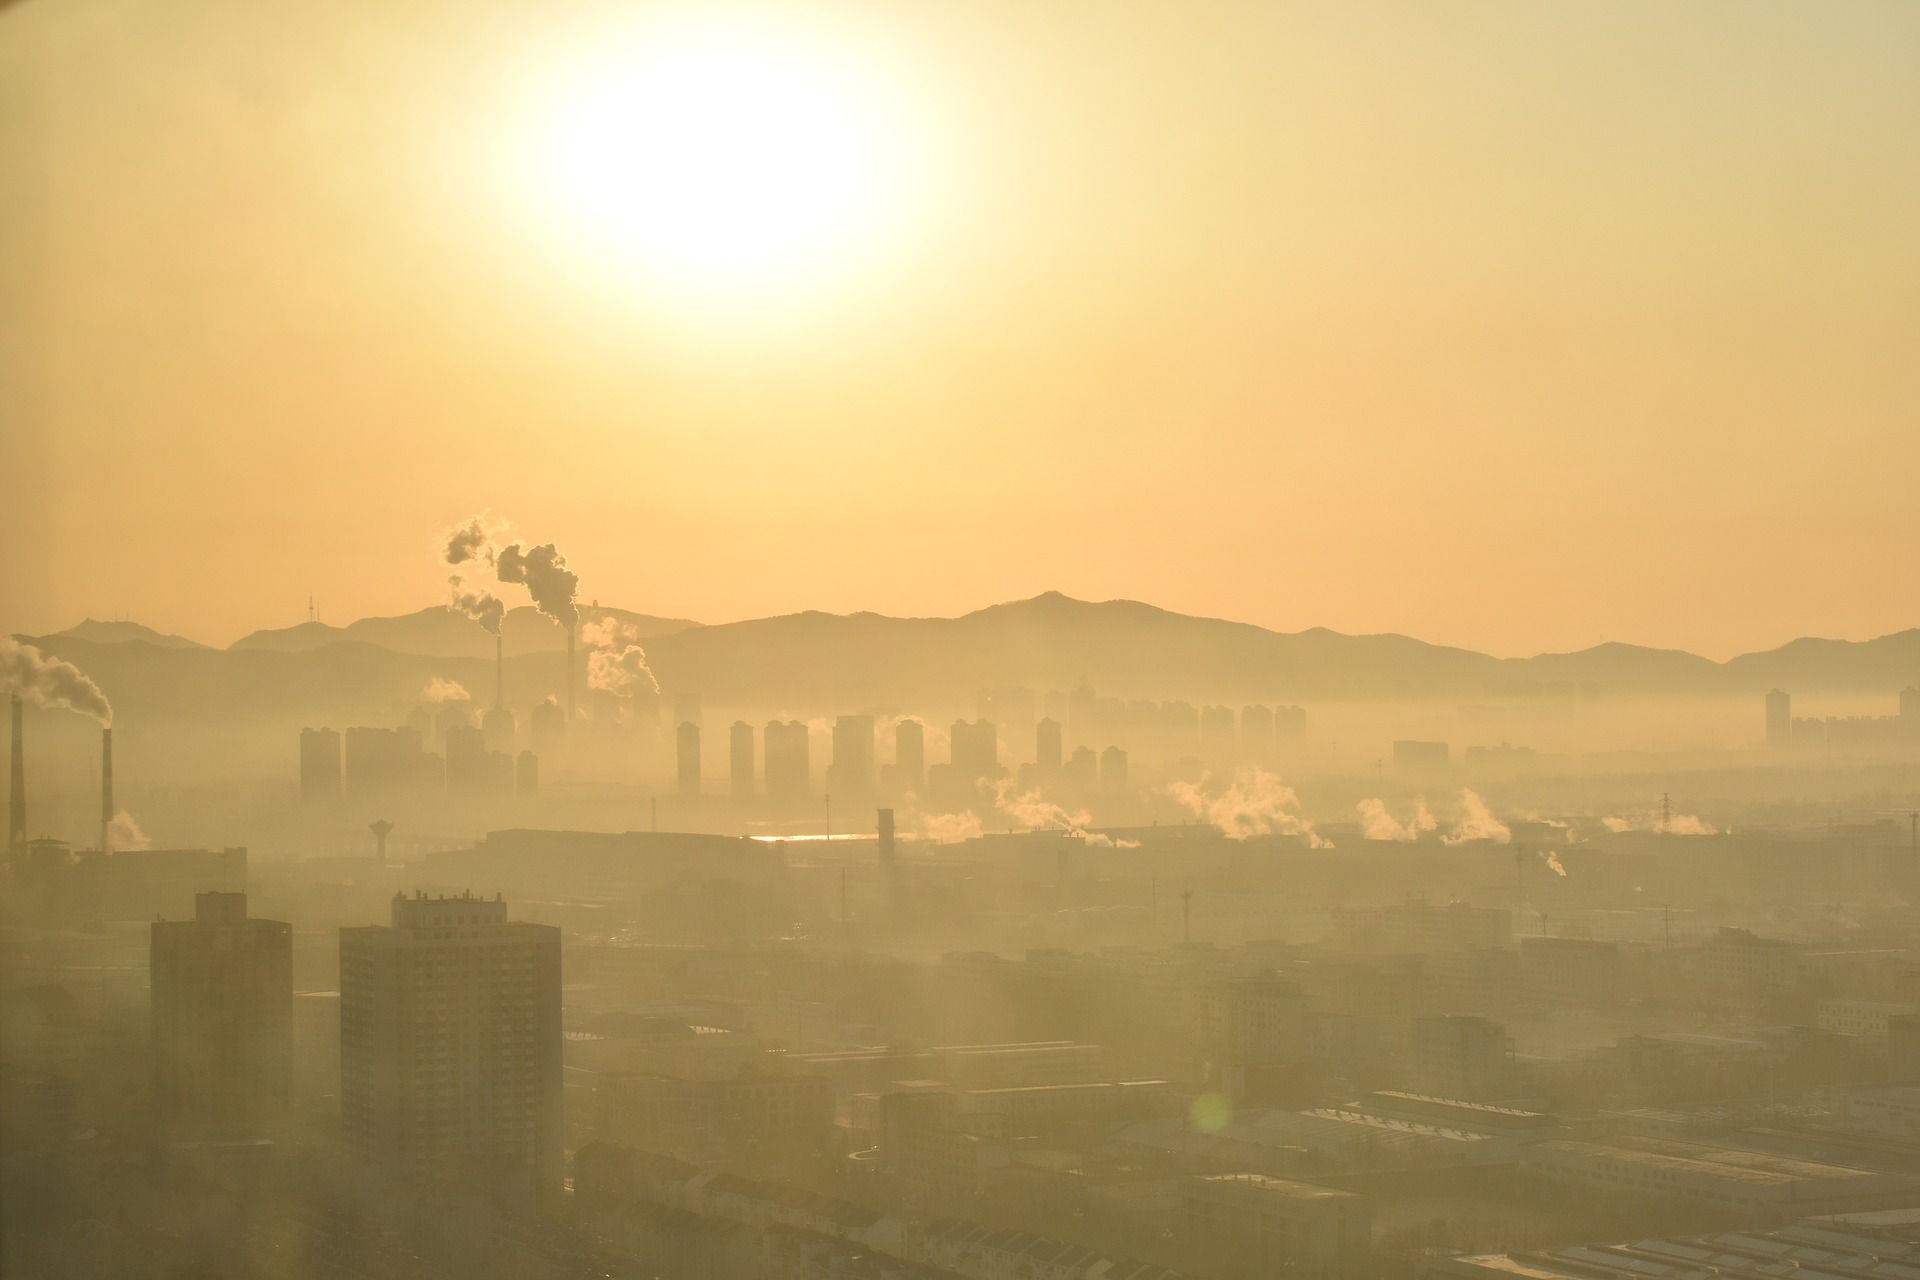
[
  {"x": 442, "y": 633},
  {"x": 97, "y": 632},
  {"x": 372, "y": 671}
]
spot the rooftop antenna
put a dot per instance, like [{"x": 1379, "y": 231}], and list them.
[
  {"x": 311, "y": 616},
  {"x": 1666, "y": 812}
]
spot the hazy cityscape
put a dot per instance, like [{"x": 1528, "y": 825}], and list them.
[{"x": 1083, "y": 641}]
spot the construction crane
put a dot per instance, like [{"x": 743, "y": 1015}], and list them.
[{"x": 1913, "y": 823}]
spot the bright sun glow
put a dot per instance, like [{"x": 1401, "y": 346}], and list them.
[{"x": 722, "y": 158}]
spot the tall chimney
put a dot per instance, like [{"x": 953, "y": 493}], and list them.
[
  {"x": 106, "y": 785},
  {"x": 499, "y": 671},
  {"x": 570, "y": 663},
  {"x": 17, "y": 792},
  {"x": 889, "y": 874}
]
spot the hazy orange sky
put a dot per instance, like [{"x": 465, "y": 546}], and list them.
[{"x": 1517, "y": 325}]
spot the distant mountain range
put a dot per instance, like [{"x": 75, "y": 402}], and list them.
[
  {"x": 805, "y": 662},
  {"x": 441, "y": 632}
]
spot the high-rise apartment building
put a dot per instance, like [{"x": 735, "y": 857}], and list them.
[
  {"x": 1779, "y": 720},
  {"x": 450, "y": 1043},
  {"x": 222, "y": 1008}
]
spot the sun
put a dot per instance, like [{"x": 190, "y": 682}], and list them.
[{"x": 720, "y": 158}]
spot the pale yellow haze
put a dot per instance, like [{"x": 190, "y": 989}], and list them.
[{"x": 1515, "y": 325}]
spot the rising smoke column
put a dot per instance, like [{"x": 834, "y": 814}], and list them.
[
  {"x": 1476, "y": 822},
  {"x": 124, "y": 834},
  {"x": 1254, "y": 803},
  {"x": 47, "y": 681},
  {"x": 543, "y": 571},
  {"x": 470, "y": 549},
  {"x": 616, "y": 663},
  {"x": 1030, "y": 809}
]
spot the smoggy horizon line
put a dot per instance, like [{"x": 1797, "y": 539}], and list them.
[{"x": 1044, "y": 596}]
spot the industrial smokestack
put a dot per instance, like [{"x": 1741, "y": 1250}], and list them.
[
  {"x": 499, "y": 671},
  {"x": 17, "y": 792},
  {"x": 106, "y": 784},
  {"x": 570, "y": 666},
  {"x": 889, "y": 874}
]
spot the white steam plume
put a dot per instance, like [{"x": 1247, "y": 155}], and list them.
[
  {"x": 1030, "y": 809},
  {"x": 1378, "y": 824},
  {"x": 47, "y": 681},
  {"x": 124, "y": 834},
  {"x": 1552, "y": 860},
  {"x": 1254, "y": 803},
  {"x": 615, "y": 661},
  {"x": 441, "y": 689},
  {"x": 1476, "y": 822}
]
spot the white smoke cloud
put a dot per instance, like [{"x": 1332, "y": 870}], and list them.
[
  {"x": 543, "y": 571},
  {"x": 1376, "y": 823},
  {"x": 441, "y": 689},
  {"x": 1031, "y": 809},
  {"x": 615, "y": 661},
  {"x": 1552, "y": 860},
  {"x": 124, "y": 834},
  {"x": 47, "y": 681},
  {"x": 1253, "y": 803},
  {"x": 1476, "y": 822}
]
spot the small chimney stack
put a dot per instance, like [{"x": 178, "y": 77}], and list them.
[
  {"x": 106, "y": 785},
  {"x": 17, "y": 792}
]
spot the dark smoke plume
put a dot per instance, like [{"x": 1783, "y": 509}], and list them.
[
  {"x": 47, "y": 681},
  {"x": 472, "y": 542},
  {"x": 477, "y": 603},
  {"x": 472, "y": 539},
  {"x": 543, "y": 571}
]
